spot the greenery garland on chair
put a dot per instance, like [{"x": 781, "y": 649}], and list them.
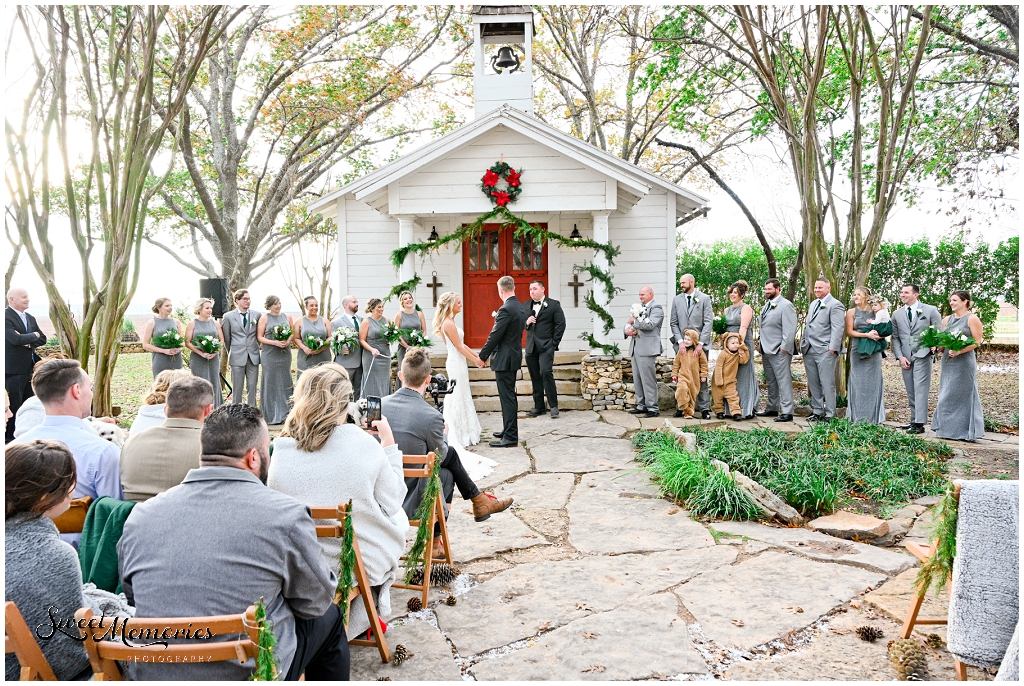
[
  {"x": 415, "y": 559},
  {"x": 938, "y": 569},
  {"x": 346, "y": 563},
  {"x": 266, "y": 642}
]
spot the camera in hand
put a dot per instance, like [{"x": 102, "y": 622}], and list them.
[
  {"x": 439, "y": 387},
  {"x": 372, "y": 409}
]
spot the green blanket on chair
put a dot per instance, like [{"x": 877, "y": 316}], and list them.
[{"x": 97, "y": 549}]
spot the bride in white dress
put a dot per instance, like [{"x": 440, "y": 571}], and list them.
[{"x": 459, "y": 411}]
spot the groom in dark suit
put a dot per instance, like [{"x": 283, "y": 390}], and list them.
[
  {"x": 506, "y": 343},
  {"x": 545, "y": 325}
]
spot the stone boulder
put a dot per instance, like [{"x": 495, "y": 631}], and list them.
[
  {"x": 666, "y": 397},
  {"x": 850, "y": 526},
  {"x": 770, "y": 504},
  {"x": 684, "y": 439}
]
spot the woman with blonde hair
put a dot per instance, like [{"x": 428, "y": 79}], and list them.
[
  {"x": 459, "y": 411},
  {"x": 151, "y": 413},
  {"x": 412, "y": 319},
  {"x": 163, "y": 358},
  {"x": 865, "y": 389},
  {"x": 376, "y": 351},
  {"x": 203, "y": 364},
  {"x": 322, "y": 459}
]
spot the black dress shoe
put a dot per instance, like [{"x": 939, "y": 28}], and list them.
[
  {"x": 720, "y": 415},
  {"x": 705, "y": 414},
  {"x": 498, "y": 434},
  {"x": 767, "y": 413},
  {"x": 638, "y": 410},
  {"x": 737, "y": 417},
  {"x": 503, "y": 444},
  {"x": 816, "y": 418},
  {"x": 916, "y": 429},
  {"x": 554, "y": 413},
  {"x": 679, "y": 413},
  {"x": 904, "y": 427},
  {"x": 784, "y": 418},
  {"x": 749, "y": 416},
  {"x": 653, "y": 413},
  {"x": 535, "y": 412}
]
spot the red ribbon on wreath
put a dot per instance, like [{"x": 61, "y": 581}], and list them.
[{"x": 497, "y": 172}]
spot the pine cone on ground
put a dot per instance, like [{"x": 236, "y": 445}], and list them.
[
  {"x": 908, "y": 660},
  {"x": 415, "y": 604},
  {"x": 417, "y": 578},
  {"x": 443, "y": 574},
  {"x": 869, "y": 633},
  {"x": 451, "y": 600},
  {"x": 400, "y": 656},
  {"x": 383, "y": 678},
  {"x": 934, "y": 641}
]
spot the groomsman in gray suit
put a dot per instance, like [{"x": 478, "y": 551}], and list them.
[
  {"x": 352, "y": 361},
  {"x": 908, "y": 323},
  {"x": 821, "y": 344},
  {"x": 644, "y": 334},
  {"x": 777, "y": 343},
  {"x": 691, "y": 309},
  {"x": 239, "y": 327}
]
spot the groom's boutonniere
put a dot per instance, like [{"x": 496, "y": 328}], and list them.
[
  {"x": 494, "y": 315},
  {"x": 772, "y": 304},
  {"x": 919, "y": 312}
]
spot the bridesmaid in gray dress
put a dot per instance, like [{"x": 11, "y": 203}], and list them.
[
  {"x": 740, "y": 319},
  {"x": 865, "y": 396},
  {"x": 312, "y": 325},
  {"x": 205, "y": 365},
  {"x": 163, "y": 358},
  {"x": 376, "y": 351},
  {"x": 276, "y": 359},
  {"x": 408, "y": 318},
  {"x": 958, "y": 414}
]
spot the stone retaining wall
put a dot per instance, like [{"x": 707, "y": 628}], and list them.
[{"x": 607, "y": 380}]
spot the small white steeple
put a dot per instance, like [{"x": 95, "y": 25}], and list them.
[{"x": 503, "y": 73}]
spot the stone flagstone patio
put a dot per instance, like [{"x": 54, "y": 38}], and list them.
[{"x": 592, "y": 576}]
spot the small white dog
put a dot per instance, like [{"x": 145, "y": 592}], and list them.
[{"x": 109, "y": 432}]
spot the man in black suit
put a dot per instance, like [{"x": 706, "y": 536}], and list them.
[
  {"x": 506, "y": 343},
  {"x": 21, "y": 338},
  {"x": 545, "y": 325}
]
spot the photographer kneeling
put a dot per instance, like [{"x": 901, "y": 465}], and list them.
[{"x": 419, "y": 429}]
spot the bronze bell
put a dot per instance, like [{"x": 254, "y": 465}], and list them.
[{"x": 505, "y": 59}]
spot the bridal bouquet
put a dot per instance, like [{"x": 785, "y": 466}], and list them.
[
  {"x": 343, "y": 340},
  {"x": 208, "y": 344},
  {"x": 719, "y": 325},
  {"x": 391, "y": 333},
  {"x": 933, "y": 338},
  {"x": 281, "y": 332},
  {"x": 313, "y": 342},
  {"x": 168, "y": 340},
  {"x": 418, "y": 339},
  {"x": 638, "y": 311}
]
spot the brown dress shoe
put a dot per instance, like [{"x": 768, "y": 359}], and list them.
[
  {"x": 437, "y": 548},
  {"x": 485, "y": 504}
]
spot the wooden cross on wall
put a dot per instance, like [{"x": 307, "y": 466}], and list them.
[
  {"x": 576, "y": 285},
  {"x": 435, "y": 284}
]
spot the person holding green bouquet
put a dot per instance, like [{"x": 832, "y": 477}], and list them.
[
  {"x": 958, "y": 414},
  {"x": 205, "y": 339},
  {"x": 163, "y": 337},
  {"x": 274, "y": 332},
  {"x": 312, "y": 334}
]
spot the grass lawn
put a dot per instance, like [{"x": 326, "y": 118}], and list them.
[{"x": 133, "y": 376}]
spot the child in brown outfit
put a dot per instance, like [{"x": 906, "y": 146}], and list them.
[
  {"x": 723, "y": 381},
  {"x": 688, "y": 371}
]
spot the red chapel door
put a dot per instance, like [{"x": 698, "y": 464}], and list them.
[{"x": 494, "y": 253}]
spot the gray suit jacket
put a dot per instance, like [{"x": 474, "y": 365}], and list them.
[
  {"x": 354, "y": 359},
  {"x": 904, "y": 334},
  {"x": 418, "y": 429},
  {"x": 778, "y": 327},
  {"x": 647, "y": 341},
  {"x": 241, "y": 342},
  {"x": 824, "y": 327},
  {"x": 698, "y": 317},
  {"x": 248, "y": 542}
]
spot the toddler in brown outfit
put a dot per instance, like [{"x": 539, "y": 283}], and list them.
[
  {"x": 723, "y": 380},
  {"x": 688, "y": 371}
]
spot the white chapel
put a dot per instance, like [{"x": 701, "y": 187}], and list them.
[{"x": 567, "y": 185}]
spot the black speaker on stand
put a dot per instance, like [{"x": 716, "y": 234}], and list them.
[{"x": 216, "y": 290}]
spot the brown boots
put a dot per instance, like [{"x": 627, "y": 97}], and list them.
[{"x": 485, "y": 504}]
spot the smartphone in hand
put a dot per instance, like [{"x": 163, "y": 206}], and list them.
[{"x": 372, "y": 410}]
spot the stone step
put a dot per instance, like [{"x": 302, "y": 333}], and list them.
[
  {"x": 523, "y": 387},
  {"x": 566, "y": 357},
  {"x": 564, "y": 373},
  {"x": 565, "y": 402}
]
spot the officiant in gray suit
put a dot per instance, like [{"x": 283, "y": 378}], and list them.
[
  {"x": 821, "y": 344},
  {"x": 777, "y": 343},
  {"x": 691, "y": 309},
  {"x": 644, "y": 334},
  {"x": 352, "y": 361},
  {"x": 908, "y": 323},
  {"x": 239, "y": 326}
]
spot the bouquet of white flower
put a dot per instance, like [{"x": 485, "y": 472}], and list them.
[
  {"x": 314, "y": 343},
  {"x": 281, "y": 332},
  {"x": 343, "y": 340},
  {"x": 208, "y": 344},
  {"x": 418, "y": 339},
  {"x": 168, "y": 340}
]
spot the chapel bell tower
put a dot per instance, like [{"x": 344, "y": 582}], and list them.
[{"x": 503, "y": 72}]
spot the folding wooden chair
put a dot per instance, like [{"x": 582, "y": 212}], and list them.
[
  {"x": 104, "y": 654},
  {"x": 362, "y": 588},
  {"x": 72, "y": 521},
  {"x": 922, "y": 553},
  {"x": 18, "y": 639},
  {"x": 420, "y": 467}
]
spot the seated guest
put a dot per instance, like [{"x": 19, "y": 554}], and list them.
[
  {"x": 151, "y": 413},
  {"x": 66, "y": 393},
  {"x": 321, "y": 459},
  {"x": 420, "y": 429},
  {"x": 42, "y": 571},
  {"x": 159, "y": 458},
  {"x": 31, "y": 413},
  {"x": 221, "y": 540}
]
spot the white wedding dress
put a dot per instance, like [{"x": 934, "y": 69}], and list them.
[{"x": 460, "y": 414}]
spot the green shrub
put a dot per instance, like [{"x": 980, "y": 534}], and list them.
[
  {"x": 53, "y": 340},
  {"x": 718, "y": 497},
  {"x": 127, "y": 324}
]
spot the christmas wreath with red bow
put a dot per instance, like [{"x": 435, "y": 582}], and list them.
[{"x": 497, "y": 172}]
